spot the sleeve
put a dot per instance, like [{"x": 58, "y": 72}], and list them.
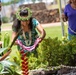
[{"x": 35, "y": 22}]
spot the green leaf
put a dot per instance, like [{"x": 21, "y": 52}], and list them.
[
  {"x": 2, "y": 50},
  {"x": 8, "y": 63},
  {"x": 1, "y": 67}
]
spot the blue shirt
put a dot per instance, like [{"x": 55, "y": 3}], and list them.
[{"x": 71, "y": 14}]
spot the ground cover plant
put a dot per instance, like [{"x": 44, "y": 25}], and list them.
[{"x": 53, "y": 46}]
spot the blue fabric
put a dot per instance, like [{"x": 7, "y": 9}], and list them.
[
  {"x": 35, "y": 22},
  {"x": 71, "y": 14}
]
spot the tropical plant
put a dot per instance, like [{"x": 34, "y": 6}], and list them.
[{"x": 7, "y": 67}]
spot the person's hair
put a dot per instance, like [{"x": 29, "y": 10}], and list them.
[
  {"x": 17, "y": 23},
  {"x": 24, "y": 12},
  {"x": 69, "y": 2}
]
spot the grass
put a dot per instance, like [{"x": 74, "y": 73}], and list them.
[
  {"x": 52, "y": 32},
  {"x": 55, "y": 32},
  {"x": 5, "y": 25}
]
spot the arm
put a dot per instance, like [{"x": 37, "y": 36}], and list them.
[
  {"x": 13, "y": 36},
  {"x": 41, "y": 31},
  {"x": 64, "y": 18}
]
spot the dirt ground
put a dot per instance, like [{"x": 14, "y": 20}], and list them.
[{"x": 43, "y": 25}]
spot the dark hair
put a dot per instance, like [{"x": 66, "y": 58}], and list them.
[
  {"x": 69, "y": 2},
  {"x": 17, "y": 23},
  {"x": 24, "y": 12}
]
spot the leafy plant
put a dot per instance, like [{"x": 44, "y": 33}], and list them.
[
  {"x": 56, "y": 52},
  {"x": 5, "y": 19},
  {"x": 6, "y": 40},
  {"x": 51, "y": 52},
  {"x": 7, "y": 66}
]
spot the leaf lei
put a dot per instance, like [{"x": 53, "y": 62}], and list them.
[{"x": 23, "y": 18}]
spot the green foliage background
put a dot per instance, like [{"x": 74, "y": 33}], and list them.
[{"x": 53, "y": 51}]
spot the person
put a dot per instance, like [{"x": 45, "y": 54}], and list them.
[
  {"x": 70, "y": 16},
  {"x": 30, "y": 28}
]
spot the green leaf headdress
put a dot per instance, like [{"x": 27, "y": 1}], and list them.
[{"x": 24, "y": 18}]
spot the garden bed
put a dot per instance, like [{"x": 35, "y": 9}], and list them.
[{"x": 61, "y": 71}]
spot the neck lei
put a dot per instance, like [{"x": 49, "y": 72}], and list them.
[{"x": 29, "y": 40}]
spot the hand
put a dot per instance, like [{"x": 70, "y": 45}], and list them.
[
  {"x": 39, "y": 39},
  {"x": 16, "y": 43},
  {"x": 64, "y": 18}
]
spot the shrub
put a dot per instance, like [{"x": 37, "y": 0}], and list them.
[
  {"x": 52, "y": 52},
  {"x": 5, "y": 19},
  {"x": 56, "y": 52}
]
